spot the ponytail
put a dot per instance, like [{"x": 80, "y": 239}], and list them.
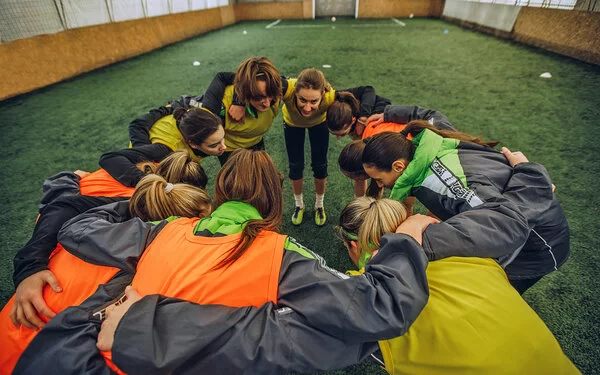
[
  {"x": 156, "y": 199},
  {"x": 178, "y": 113},
  {"x": 250, "y": 176},
  {"x": 180, "y": 167},
  {"x": 383, "y": 149},
  {"x": 368, "y": 219},
  {"x": 417, "y": 126}
]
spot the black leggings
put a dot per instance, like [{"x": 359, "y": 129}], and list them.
[{"x": 319, "y": 144}]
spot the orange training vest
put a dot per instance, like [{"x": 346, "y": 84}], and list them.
[
  {"x": 178, "y": 264},
  {"x": 78, "y": 279},
  {"x": 371, "y": 130},
  {"x": 102, "y": 184}
]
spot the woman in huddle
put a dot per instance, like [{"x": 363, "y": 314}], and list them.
[
  {"x": 452, "y": 172},
  {"x": 254, "y": 97},
  {"x": 235, "y": 258},
  {"x": 392, "y": 119},
  {"x": 474, "y": 323},
  {"x": 155, "y": 136},
  {"x": 306, "y": 99},
  {"x": 347, "y": 115},
  {"x": 51, "y": 279},
  {"x": 285, "y": 338}
]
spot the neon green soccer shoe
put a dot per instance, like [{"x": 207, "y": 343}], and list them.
[
  {"x": 298, "y": 216},
  {"x": 320, "y": 216}
]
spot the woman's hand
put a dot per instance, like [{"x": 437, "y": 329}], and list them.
[
  {"x": 359, "y": 127},
  {"x": 29, "y": 300},
  {"x": 236, "y": 112},
  {"x": 375, "y": 119},
  {"x": 517, "y": 157},
  {"x": 415, "y": 225},
  {"x": 81, "y": 173},
  {"x": 514, "y": 158},
  {"x": 106, "y": 337}
]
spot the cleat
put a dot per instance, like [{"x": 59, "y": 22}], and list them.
[
  {"x": 320, "y": 216},
  {"x": 298, "y": 216}
]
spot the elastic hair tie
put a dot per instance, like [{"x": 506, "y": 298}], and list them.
[
  {"x": 372, "y": 203},
  {"x": 168, "y": 188}
]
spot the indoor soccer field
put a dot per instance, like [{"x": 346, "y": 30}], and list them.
[{"x": 485, "y": 85}]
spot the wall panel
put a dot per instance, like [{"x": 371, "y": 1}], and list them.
[
  {"x": 31, "y": 63},
  {"x": 568, "y": 32},
  {"x": 268, "y": 11},
  {"x": 401, "y": 9},
  {"x": 495, "y": 16}
]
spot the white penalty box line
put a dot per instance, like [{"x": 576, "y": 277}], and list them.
[{"x": 275, "y": 25}]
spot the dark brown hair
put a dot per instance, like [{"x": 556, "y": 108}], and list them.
[
  {"x": 196, "y": 124},
  {"x": 350, "y": 159},
  {"x": 341, "y": 111},
  {"x": 383, "y": 149},
  {"x": 350, "y": 162},
  {"x": 250, "y": 176},
  {"x": 255, "y": 69}
]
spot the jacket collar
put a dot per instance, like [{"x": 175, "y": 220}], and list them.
[
  {"x": 229, "y": 218},
  {"x": 428, "y": 145}
]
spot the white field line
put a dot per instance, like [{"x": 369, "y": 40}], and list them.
[
  {"x": 272, "y": 24},
  {"x": 328, "y": 26},
  {"x": 398, "y": 22}
]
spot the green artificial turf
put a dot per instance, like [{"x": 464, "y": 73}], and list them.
[{"x": 486, "y": 86}]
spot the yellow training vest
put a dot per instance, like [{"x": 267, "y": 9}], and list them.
[
  {"x": 291, "y": 114},
  {"x": 165, "y": 131},
  {"x": 474, "y": 323},
  {"x": 250, "y": 131}
]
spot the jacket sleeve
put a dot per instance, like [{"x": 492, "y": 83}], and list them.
[
  {"x": 366, "y": 96},
  {"x": 326, "y": 320},
  {"x": 186, "y": 101},
  {"x": 403, "y": 114},
  {"x": 380, "y": 104},
  {"x": 488, "y": 231},
  {"x": 213, "y": 97},
  {"x": 221, "y": 339},
  {"x": 104, "y": 236},
  {"x": 139, "y": 128},
  {"x": 500, "y": 226},
  {"x": 60, "y": 185},
  {"x": 34, "y": 256},
  {"x": 121, "y": 165},
  {"x": 67, "y": 344},
  {"x": 381, "y": 303},
  {"x": 530, "y": 188}
]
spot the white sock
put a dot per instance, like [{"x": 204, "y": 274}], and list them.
[
  {"x": 299, "y": 200},
  {"x": 319, "y": 200}
]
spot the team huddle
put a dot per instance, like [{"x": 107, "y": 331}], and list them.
[{"x": 136, "y": 268}]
